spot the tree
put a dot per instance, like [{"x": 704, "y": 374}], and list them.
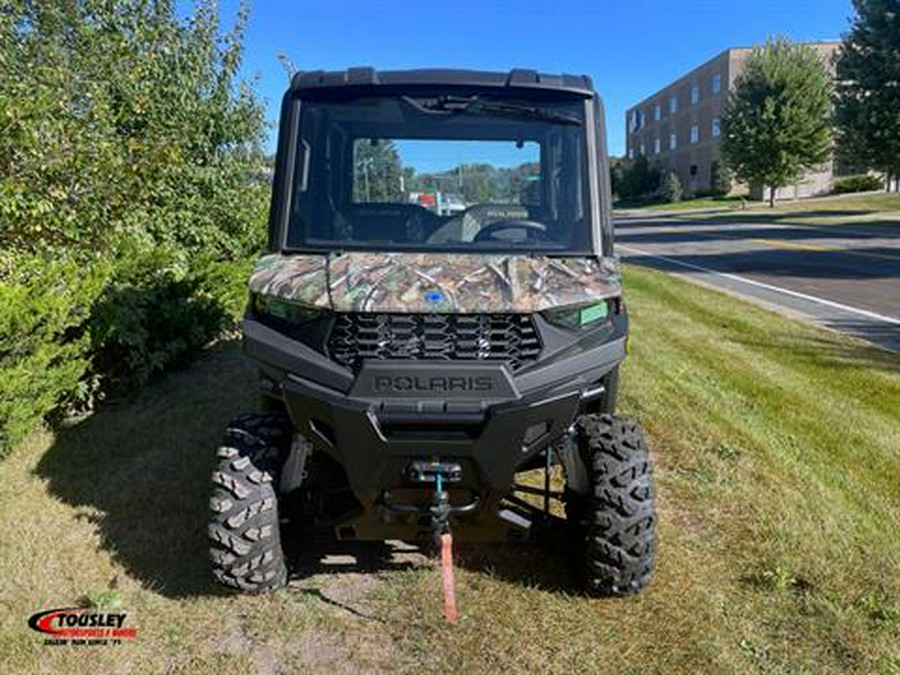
[
  {"x": 720, "y": 179},
  {"x": 639, "y": 180},
  {"x": 378, "y": 173},
  {"x": 776, "y": 123},
  {"x": 670, "y": 189},
  {"x": 868, "y": 88},
  {"x": 617, "y": 168},
  {"x": 132, "y": 194}
]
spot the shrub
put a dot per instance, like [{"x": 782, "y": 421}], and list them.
[
  {"x": 861, "y": 183},
  {"x": 44, "y": 347},
  {"x": 670, "y": 190},
  {"x": 639, "y": 181},
  {"x": 128, "y": 204},
  {"x": 153, "y": 314},
  {"x": 157, "y": 312}
]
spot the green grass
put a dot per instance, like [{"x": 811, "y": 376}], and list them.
[
  {"x": 777, "y": 450},
  {"x": 721, "y": 203},
  {"x": 868, "y": 209}
]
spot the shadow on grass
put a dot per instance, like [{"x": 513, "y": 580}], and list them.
[
  {"x": 312, "y": 553},
  {"x": 545, "y": 563},
  {"x": 142, "y": 469},
  {"x": 839, "y": 354},
  {"x": 541, "y": 563}
]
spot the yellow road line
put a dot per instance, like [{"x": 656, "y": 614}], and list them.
[{"x": 793, "y": 244}]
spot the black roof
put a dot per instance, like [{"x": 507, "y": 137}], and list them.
[{"x": 366, "y": 77}]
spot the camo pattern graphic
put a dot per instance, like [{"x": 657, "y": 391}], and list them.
[
  {"x": 428, "y": 282},
  {"x": 301, "y": 278}
]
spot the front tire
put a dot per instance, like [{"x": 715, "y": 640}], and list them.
[
  {"x": 245, "y": 542},
  {"x": 615, "y": 522}
]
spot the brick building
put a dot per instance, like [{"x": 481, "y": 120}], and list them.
[{"x": 679, "y": 127}]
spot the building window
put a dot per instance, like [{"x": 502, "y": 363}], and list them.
[
  {"x": 673, "y": 105},
  {"x": 673, "y": 141},
  {"x": 695, "y": 94},
  {"x": 716, "y": 84},
  {"x": 695, "y": 134},
  {"x": 694, "y": 170},
  {"x": 637, "y": 121},
  {"x": 656, "y": 146},
  {"x": 716, "y": 127},
  {"x": 657, "y": 112},
  {"x": 631, "y": 153},
  {"x": 643, "y": 150}
]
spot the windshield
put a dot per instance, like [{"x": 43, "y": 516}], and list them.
[{"x": 466, "y": 174}]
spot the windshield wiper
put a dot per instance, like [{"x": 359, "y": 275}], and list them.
[{"x": 476, "y": 106}]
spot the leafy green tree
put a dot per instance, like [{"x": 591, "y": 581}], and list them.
[
  {"x": 478, "y": 183},
  {"x": 868, "y": 88},
  {"x": 617, "y": 168},
  {"x": 670, "y": 190},
  {"x": 640, "y": 180},
  {"x": 378, "y": 174},
  {"x": 776, "y": 124},
  {"x": 720, "y": 179},
  {"x": 121, "y": 121},
  {"x": 132, "y": 194}
]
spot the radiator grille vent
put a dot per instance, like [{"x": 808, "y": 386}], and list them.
[{"x": 451, "y": 337}]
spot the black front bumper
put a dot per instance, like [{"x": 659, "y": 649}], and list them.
[{"x": 476, "y": 414}]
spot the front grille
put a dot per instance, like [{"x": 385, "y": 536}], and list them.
[{"x": 451, "y": 337}]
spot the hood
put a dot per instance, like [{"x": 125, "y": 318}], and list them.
[{"x": 436, "y": 282}]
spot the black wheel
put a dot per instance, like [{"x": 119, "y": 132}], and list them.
[
  {"x": 245, "y": 542},
  {"x": 614, "y": 524}
]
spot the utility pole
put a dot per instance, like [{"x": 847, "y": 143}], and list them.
[{"x": 366, "y": 162}]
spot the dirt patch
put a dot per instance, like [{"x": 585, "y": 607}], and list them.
[{"x": 347, "y": 578}]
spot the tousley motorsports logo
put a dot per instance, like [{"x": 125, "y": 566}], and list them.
[{"x": 79, "y": 626}]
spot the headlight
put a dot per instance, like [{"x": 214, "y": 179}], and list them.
[
  {"x": 292, "y": 313},
  {"x": 580, "y": 317}
]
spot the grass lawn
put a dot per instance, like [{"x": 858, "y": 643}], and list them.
[
  {"x": 868, "y": 209},
  {"x": 777, "y": 447},
  {"x": 723, "y": 203}
]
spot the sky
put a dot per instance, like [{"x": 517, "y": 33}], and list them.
[
  {"x": 630, "y": 48},
  {"x": 434, "y": 156}
]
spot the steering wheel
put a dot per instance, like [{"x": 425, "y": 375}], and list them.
[{"x": 532, "y": 226}]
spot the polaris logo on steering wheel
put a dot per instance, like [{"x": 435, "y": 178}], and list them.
[{"x": 437, "y": 383}]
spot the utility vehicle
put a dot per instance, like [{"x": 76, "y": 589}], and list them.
[{"x": 413, "y": 360}]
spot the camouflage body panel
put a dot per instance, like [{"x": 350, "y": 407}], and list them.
[
  {"x": 301, "y": 278},
  {"x": 436, "y": 282}
]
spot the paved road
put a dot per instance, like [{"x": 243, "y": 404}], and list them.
[{"x": 845, "y": 277}]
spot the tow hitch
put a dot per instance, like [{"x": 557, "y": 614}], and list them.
[{"x": 439, "y": 509}]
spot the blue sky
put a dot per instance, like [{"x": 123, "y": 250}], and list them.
[
  {"x": 442, "y": 155},
  {"x": 629, "y": 47}
]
